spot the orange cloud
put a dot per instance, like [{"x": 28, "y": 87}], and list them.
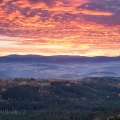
[
  {"x": 94, "y": 12},
  {"x": 68, "y": 6}
]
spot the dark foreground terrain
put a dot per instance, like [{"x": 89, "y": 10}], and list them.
[{"x": 53, "y": 99}]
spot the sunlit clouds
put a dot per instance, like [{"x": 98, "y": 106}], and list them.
[{"x": 60, "y": 27}]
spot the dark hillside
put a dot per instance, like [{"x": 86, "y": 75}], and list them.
[{"x": 82, "y": 99}]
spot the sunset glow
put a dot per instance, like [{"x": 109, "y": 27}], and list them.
[{"x": 60, "y": 27}]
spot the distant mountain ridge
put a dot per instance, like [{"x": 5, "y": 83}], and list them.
[
  {"x": 61, "y": 58},
  {"x": 36, "y": 66}
]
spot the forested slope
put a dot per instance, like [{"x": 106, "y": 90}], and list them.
[{"x": 84, "y": 99}]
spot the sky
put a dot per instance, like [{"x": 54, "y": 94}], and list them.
[{"x": 60, "y": 27}]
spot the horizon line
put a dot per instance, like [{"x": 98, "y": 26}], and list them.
[{"x": 55, "y": 55}]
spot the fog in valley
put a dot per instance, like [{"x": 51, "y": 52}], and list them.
[{"x": 45, "y": 69}]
